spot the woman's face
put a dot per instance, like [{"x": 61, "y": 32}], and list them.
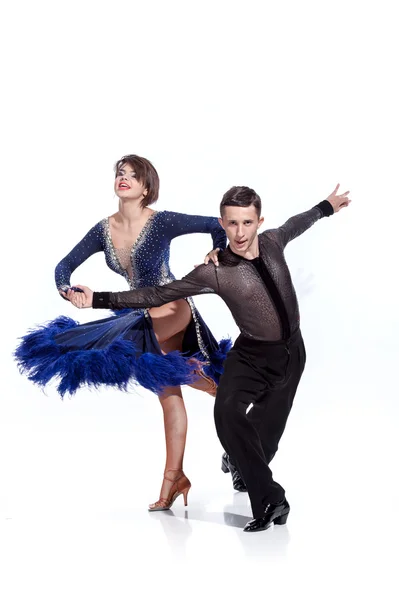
[{"x": 126, "y": 186}]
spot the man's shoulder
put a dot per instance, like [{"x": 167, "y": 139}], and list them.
[
  {"x": 227, "y": 258},
  {"x": 269, "y": 233},
  {"x": 204, "y": 272},
  {"x": 270, "y": 236}
]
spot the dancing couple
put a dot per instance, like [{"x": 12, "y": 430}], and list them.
[{"x": 264, "y": 367}]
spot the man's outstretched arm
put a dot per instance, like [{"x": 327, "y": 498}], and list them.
[
  {"x": 298, "y": 224},
  {"x": 200, "y": 281}
]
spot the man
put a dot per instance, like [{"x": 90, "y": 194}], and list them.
[{"x": 267, "y": 360}]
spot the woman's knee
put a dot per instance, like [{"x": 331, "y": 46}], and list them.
[{"x": 170, "y": 319}]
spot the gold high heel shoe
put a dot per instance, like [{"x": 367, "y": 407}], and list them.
[
  {"x": 210, "y": 388},
  {"x": 181, "y": 485},
  {"x": 204, "y": 383}
]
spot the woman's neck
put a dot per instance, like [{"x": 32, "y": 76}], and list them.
[{"x": 130, "y": 212}]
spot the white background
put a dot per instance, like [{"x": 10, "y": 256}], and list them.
[{"x": 289, "y": 98}]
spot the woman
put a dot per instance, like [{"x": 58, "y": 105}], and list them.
[{"x": 161, "y": 348}]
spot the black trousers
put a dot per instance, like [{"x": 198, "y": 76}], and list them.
[{"x": 266, "y": 374}]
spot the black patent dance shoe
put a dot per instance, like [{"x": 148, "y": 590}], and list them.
[
  {"x": 274, "y": 513},
  {"x": 228, "y": 467}
]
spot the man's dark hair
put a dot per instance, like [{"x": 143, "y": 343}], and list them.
[
  {"x": 146, "y": 174},
  {"x": 241, "y": 196}
]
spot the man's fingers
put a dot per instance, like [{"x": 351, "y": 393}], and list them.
[
  {"x": 344, "y": 204},
  {"x": 336, "y": 188},
  {"x": 82, "y": 287},
  {"x": 78, "y": 299}
]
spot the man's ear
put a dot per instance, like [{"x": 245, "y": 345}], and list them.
[
  {"x": 261, "y": 221},
  {"x": 221, "y": 222}
]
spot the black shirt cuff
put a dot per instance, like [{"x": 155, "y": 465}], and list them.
[
  {"x": 325, "y": 208},
  {"x": 102, "y": 300}
]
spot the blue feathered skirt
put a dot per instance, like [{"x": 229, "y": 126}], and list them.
[{"x": 117, "y": 351}]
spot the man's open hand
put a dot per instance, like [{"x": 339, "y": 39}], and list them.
[{"x": 338, "y": 201}]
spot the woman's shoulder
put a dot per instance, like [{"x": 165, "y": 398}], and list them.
[
  {"x": 164, "y": 214},
  {"x": 172, "y": 215},
  {"x": 102, "y": 225},
  {"x": 97, "y": 227},
  {"x": 164, "y": 217},
  {"x": 99, "y": 230}
]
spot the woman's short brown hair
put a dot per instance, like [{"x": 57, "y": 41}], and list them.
[{"x": 146, "y": 174}]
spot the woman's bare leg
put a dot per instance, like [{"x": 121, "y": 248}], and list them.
[
  {"x": 175, "y": 423},
  {"x": 170, "y": 322}
]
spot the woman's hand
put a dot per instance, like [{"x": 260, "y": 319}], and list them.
[{"x": 213, "y": 256}]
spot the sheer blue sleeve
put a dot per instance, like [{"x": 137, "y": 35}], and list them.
[
  {"x": 177, "y": 224},
  {"x": 90, "y": 244}
]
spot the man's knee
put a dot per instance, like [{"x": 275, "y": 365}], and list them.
[{"x": 228, "y": 408}]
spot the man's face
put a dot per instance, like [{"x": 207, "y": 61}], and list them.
[{"x": 241, "y": 224}]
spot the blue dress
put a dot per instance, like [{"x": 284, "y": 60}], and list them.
[{"x": 122, "y": 349}]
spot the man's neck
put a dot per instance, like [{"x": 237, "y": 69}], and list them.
[{"x": 251, "y": 252}]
